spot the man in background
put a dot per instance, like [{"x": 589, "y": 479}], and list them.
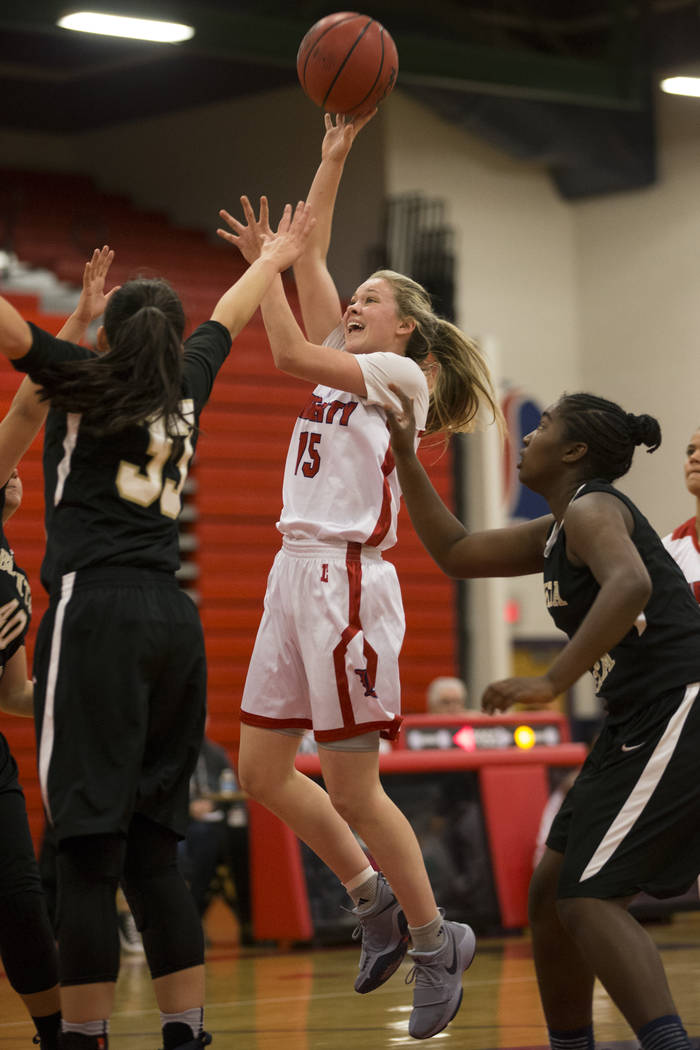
[{"x": 447, "y": 696}]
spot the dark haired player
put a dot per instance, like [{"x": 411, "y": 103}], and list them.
[
  {"x": 26, "y": 937},
  {"x": 120, "y": 663},
  {"x": 631, "y": 821}
]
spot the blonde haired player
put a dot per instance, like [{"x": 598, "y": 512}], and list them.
[{"x": 326, "y": 654}]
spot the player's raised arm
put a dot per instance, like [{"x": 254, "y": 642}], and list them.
[
  {"x": 320, "y": 303},
  {"x": 513, "y": 551},
  {"x": 93, "y": 298},
  {"x": 269, "y": 254},
  {"x": 27, "y": 412},
  {"x": 15, "y": 333}
]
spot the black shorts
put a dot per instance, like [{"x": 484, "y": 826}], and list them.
[
  {"x": 631, "y": 821},
  {"x": 120, "y": 701}
]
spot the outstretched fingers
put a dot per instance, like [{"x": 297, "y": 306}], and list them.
[
  {"x": 286, "y": 220},
  {"x": 97, "y": 267},
  {"x": 235, "y": 226},
  {"x": 93, "y": 300},
  {"x": 247, "y": 236}
]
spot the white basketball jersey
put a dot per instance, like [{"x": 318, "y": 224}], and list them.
[
  {"x": 682, "y": 545},
  {"x": 340, "y": 482}
]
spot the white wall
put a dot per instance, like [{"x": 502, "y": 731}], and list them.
[
  {"x": 516, "y": 293},
  {"x": 638, "y": 280},
  {"x": 514, "y": 243}
]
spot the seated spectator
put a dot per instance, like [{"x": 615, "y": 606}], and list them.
[
  {"x": 217, "y": 835},
  {"x": 447, "y": 696}
]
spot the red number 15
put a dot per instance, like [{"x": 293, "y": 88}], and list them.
[{"x": 308, "y": 444}]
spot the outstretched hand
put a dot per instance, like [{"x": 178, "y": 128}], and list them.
[
  {"x": 255, "y": 239},
  {"x": 286, "y": 245},
  {"x": 402, "y": 425},
  {"x": 535, "y": 692},
  {"x": 247, "y": 237},
  {"x": 341, "y": 134},
  {"x": 93, "y": 300}
]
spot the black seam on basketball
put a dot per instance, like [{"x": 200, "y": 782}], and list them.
[
  {"x": 342, "y": 22},
  {"x": 358, "y": 38},
  {"x": 379, "y": 73}
]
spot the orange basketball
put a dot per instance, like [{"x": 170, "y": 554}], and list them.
[{"x": 347, "y": 63}]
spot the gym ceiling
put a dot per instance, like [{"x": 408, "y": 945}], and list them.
[{"x": 572, "y": 83}]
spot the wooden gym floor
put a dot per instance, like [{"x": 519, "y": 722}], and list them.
[{"x": 260, "y": 999}]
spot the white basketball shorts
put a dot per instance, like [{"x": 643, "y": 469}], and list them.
[{"x": 326, "y": 656}]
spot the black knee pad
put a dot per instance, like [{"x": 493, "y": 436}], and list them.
[
  {"x": 27, "y": 945},
  {"x": 161, "y": 903},
  {"x": 88, "y": 875}
]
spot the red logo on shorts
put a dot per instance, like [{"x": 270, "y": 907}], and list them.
[
  {"x": 324, "y": 573},
  {"x": 363, "y": 674}
]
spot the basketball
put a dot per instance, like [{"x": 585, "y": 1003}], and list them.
[{"x": 347, "y": 63}]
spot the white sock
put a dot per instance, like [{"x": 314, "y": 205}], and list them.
[
  {"x": 86, "y": 1027},
  {"x": 363, "y": 887},
  {"x": 428, "y": 938},
  {"x": 193, "y": 1017}
]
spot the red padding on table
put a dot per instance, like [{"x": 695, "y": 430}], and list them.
[
  {"x": 280, "y": 901},
  {"x": 512, "y": 799}
]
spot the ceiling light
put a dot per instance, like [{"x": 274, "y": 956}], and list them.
[
  {"x": 682, "y": 86},
  {"x": 133, "y": 28}
]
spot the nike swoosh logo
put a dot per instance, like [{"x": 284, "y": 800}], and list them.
[
  {"x": 632, "y": 747},
  {"x": 452, "y": 968}
]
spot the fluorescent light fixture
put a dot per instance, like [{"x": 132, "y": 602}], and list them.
[
  {"x": 133, "y": 28},
  {"x": 682, "y": 86}
]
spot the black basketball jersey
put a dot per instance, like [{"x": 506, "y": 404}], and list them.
[
  {"x": 115, "y": 499},
  {"x": 662, "y": 649},
  {"x": 14, "y": 586}
]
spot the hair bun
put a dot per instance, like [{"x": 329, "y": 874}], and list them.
[{"x": 644, "y": 430}]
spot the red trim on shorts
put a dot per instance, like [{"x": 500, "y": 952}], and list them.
[
  {"x": 353, "y": 564},
  {"x": 263, "y": 722},
  {"x": 384, "y": 519},
  {"x": 387, "y": 730}
]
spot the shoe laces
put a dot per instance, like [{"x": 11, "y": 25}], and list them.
[
  {"x": 364, "y": 930},
  {"x": 425, "y": 975},
  {"x": 423, "y": 971}
]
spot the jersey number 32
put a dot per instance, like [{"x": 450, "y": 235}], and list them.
[{"x": 145, "y": 488}]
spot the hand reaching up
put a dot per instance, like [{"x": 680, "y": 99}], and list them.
[
  {"x": 255, "y": 238},
  {"x": 340, "y": 135},
  {"x": 93, "y": 300},
  {"x": 247, "y": 237}
]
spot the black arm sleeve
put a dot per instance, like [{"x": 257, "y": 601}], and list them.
[
  {"x": 205, "y": 352},
  {"x": 47, "y": 350}
]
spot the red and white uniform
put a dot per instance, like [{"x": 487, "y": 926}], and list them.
[
  {"x": 326, "y": 654},
  {"x": 682, "y": 545}
]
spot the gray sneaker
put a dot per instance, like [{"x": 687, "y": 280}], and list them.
[
  {"x": 384, "y": 932},
  {"x": 438, "y": 976}
]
